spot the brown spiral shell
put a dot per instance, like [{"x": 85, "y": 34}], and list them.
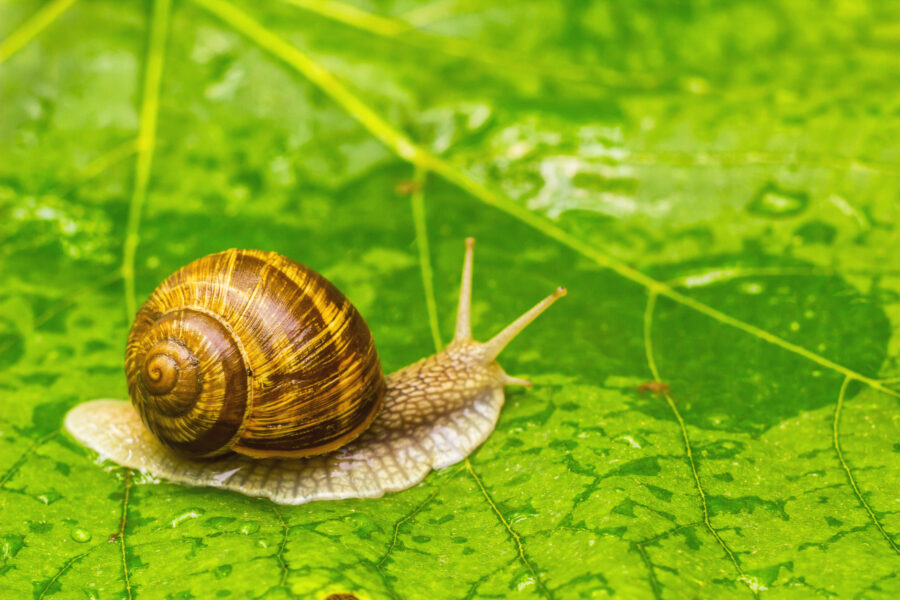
[{"x": 252, "y": 352}]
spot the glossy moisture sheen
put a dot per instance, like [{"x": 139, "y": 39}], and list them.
[
  {"x": 436, "y": 412},
  {"x": 252, "y": 352}
]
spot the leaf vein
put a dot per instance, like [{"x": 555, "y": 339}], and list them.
[
  {"x": 121, "y": 534},
  {"x": 424, "y": 259},
  {"x": 421, "y": 225},
  {"x": 33, "y": 26},
  {"x": 406, "y": 149},
  {"x": 279, "y": 556},
  {"x": 398, "y": 30},
  {"x": 145, "y": 144},
  {"x": 515, "y": 536},
  {"x": 648, "y": 347},
  {"x": 62, "y": 571},
  {"x": 400, "y": 523},
  {"x": 23, "y": 458},
  {"x": 846, "y": 467}
]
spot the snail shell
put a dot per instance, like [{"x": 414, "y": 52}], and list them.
[
  {"x": 254, "y": 353},
  {"x": 435, "y": 411}
]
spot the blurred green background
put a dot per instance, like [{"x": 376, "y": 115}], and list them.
[{"x": 716, "y": 183}]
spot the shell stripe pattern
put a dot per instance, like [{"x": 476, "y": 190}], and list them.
[
  {"x": 312, "y": 376},
  {"x": 187, "y": 410}
]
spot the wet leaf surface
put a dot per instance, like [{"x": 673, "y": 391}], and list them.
[{"x": 716, "y": 185}]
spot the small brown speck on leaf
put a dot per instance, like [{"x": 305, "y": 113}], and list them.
[
  {"x": 347, "y": 596},
  {"x": 656, "y": 387},
  {"x": 405, "y": 188},
  {"x": 113, "y": 538}
]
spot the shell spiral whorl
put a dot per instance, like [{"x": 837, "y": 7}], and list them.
[
  {"x": 188, "y": 378},
  {"x": 160, "y": 373},
  {"x": 251, "y": 352}
]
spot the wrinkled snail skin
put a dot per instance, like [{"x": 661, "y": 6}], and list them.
[{"x": 432, "y": 414}]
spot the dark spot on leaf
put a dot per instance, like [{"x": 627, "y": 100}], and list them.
[
  {"x": 816, "y": 232},
  {"x": 442, "y": 519},
  {"x": 39, "y": 526},
  {"x": 884, "y": 296},
  {"x": 833, "y": 522},
  {"x": 768, "y": 575},
  {"x": 48, "y": 416},
  {"x": 10, "y": 544},
  {"x": 52, "y": 313},
  {"x": 94, "y": 346},
  {"x": 691, "y": 539},
  {"x": 776, "y": 202},
  {"x": 565, "y": 445},
  {"x": 219, "y": 522},
  {"x": 735, "y": 381},
  {"x": 44, "y": 379},
  {"x": 537, "y": 418},
  {"x": 746, "y": 504},
  {"x": 647, "y": 466},
  {"x": 519, "y": 479},
  {"x": 222, "y": 571},
  {"x": 662, "y": 494},
  {"x": 720, "y": 449},
  {"x": 595, "y": 581},
  {"x": 626, "y": 507},
  {"x": 48, "y": 497},
  {"x": 597, "y": 182},
  {"x": 12, "y": 344}
]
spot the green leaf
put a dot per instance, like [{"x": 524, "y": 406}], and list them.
[{"x": 715, "y": 183}]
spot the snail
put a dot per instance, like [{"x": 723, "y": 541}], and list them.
[{"x": 251, "y": 372}]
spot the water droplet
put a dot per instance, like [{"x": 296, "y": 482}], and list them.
[
  {"x": 524, "y": 582},
  {"x": 222, "y": 571},
  {"x": 192, "y": 513},
  {"x": 631, "y": 441},
  {"x": 751, "y": 287},
  {"x": 91, "y": 594},
  {"x": 81, "y": 536},
  {"x": 249, "y": 527},
  {"x": 49, "y": 497},
  {"x": 773, "y": 201}
]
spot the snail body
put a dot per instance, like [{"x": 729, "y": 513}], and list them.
[{"x": 367, "y": 434}]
